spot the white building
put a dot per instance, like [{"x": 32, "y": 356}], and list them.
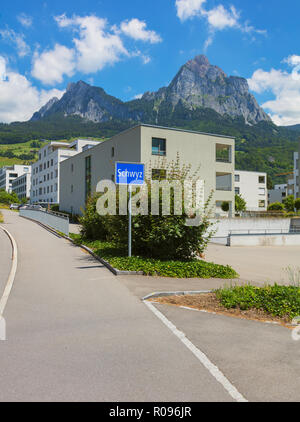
[
  {"x": 252, "y": 187},
  {"x": 21, "y": 185},
  {"x": 296, "y": 175},
  {"x": 9, "y": 173},
  {"x": 45, "y": 175}
]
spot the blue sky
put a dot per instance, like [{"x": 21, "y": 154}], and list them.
[{"x": 129, "y": 47}]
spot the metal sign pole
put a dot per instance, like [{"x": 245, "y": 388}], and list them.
[{"x": 129, "y": 222}]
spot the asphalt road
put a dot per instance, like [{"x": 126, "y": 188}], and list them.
[{"x": 76, "y": 333}]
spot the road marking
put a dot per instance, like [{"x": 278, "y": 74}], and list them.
[
  {"x": 12, "y": 274},
  {"x": 213, "y": 369}
]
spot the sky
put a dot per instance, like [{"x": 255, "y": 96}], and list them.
[{"x": 129, "y": 47}]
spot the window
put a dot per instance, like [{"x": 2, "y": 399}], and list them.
[
  {"x": 44, "y": 166},
  {"x": 223, "y": 153},
  {"x": 237, "y": 178},
  {"x": 88, "y": 177},
  {"x": 113, "y": 152},
  {"x": 52, "y": 162},
  {"x": 159, "y": 174},
  {"x": 48, "y": 164},
  {"x": 224, "y": 181},
  {"x": 262, "y": 204},
  {"x": 158, "y": 146},
  {"x": 237, "y": 191},
  {"x": 262, "y": 191},
  {"x": 72, "y": 167},
  {"x": 56, "y": 173},
  {"x": 261, "y": 179}
]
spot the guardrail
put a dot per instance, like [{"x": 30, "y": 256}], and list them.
[
  {"x": 264, "y": 231},
  {"x": 55, "y": 220}
]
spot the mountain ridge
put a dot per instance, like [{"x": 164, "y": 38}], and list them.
[{"x": 197, "y": 84}]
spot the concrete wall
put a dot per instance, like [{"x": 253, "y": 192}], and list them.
[
  {"x": 58, "y": 223},
  {"x": 265, "y": 240},
  {"x": 255, "y": 225}
]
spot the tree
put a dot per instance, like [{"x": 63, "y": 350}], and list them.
[
  {"x": 289, "y": 203},
  {"x": 276, "y": 206},
  {"x": 297, "y": 204},
  {"x": 240, "y": 203}
]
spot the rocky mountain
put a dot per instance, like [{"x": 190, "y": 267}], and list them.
[{"x": 198, "y": 85}]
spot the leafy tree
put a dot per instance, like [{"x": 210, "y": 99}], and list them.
[
  {"x": 240, "y": 203},
  {"x": 297, "y": 204},
  {"x": 289, "y": 203},
  {"x": 276, "y": 206},
  {"x": 8, "y": 198}
]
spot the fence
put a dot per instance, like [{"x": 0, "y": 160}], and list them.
[{"x": 55, "y": 220}]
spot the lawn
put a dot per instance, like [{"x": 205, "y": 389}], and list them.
[{"x": 155, "y": 267}]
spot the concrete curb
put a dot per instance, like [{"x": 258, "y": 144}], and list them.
[
  {"x": 166, "y": 294},
  {"x": 105, "y": 263}
]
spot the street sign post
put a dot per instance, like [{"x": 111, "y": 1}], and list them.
[{"x": 129, "y": 174}]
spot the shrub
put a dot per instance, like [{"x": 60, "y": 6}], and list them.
[
  {"x": 8, "y": 198},
  {"x": 240, "y": 203},
  {"x": 297, "y": 204},
  {"x": 92, "y": 224},
  {"x": 289, "y": 203},
  {"x": 225, "y": 206},
  {"x": 276, "y": 206},
  {"x": 276, "y": 300}
]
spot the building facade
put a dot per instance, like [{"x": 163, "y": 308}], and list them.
[
  {"x": 22, "y": 185},
  {"x": 278, "y": 194},
  {"x": 252, "y": 187},
  {"x": 296, "y": 178},
  {"x": 211, "y": 155},
  {"x": 9, "y": 173},
  {"x": 45, "y": 176}
]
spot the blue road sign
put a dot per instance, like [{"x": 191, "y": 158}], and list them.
[{"x": 130, "y": 174}]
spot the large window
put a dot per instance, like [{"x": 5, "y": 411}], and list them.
[
  {"x": 237, "y": 178},
  {"x": 223, "y": 153},
  {"x": 261, "y": 179},
  {"x": 262, "y": 204},
  {"x": 88, "y": 177},
  {"x": 158, "y": 146},
  {"x": 224, "y": 181}
]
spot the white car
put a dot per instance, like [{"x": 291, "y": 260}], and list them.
[{"x": 14, "y": 206}]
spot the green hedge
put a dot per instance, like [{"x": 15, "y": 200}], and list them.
[
  {"x": 155, "y": 267},
  {"x": 276, "y": 300}
]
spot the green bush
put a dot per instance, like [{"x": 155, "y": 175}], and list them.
[
  {"x": 276, "y": 206},
  {"x": 282, "y": 301},
  {"x": 297, "y": 204},
  {"x": 289, "y": 203},
  {"x": 225, "y": 206},
  {"x": 240, "y": 203},
  {"x": 92, "y": 224},
  {"x": 164, "y": 237}
]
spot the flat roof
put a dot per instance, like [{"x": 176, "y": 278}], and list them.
[{"x": 179, "y": 130}]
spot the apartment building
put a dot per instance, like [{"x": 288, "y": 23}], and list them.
[
  {"x": 45, "y": 175},
  {"x": 278, "y": 194},
  {"x": 252, "y": 186},
  {"x": 9, "y": 173},
  {"x": 22, "y": 185},
  {"x": 212, "y": 154}
]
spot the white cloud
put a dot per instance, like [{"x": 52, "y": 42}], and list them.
[
  {"x": 189, "y": 8},
  {"x": 217, "y": 18},
  {"x": 25, "y": 20},
  {"x": 16, "y": 107},
  {"x": 17, "y": 39},
  {"x": 50, "y": 66},
  {"x": 96, "y": 47},
  {"x": 285, "y": 86},
  {"x": 137, "y": 30}
]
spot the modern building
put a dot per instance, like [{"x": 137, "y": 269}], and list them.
[
  {"x": 21, "y": 186},
  {"x": 252, "y": 187},
  {"x": 45, "y": 176},
  {"x": 212, "y": 154},
  {"x": 9, "y": 173},
  {"x": 296, "y": 178}
]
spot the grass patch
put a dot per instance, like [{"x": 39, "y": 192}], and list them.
[
  {"x": 1, "y": 217},
  {"x": 278, "y": 301},
  {"x": 155, "y": 267}
]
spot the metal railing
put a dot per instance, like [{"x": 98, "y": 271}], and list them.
[{"x": 264, "y": 231}]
